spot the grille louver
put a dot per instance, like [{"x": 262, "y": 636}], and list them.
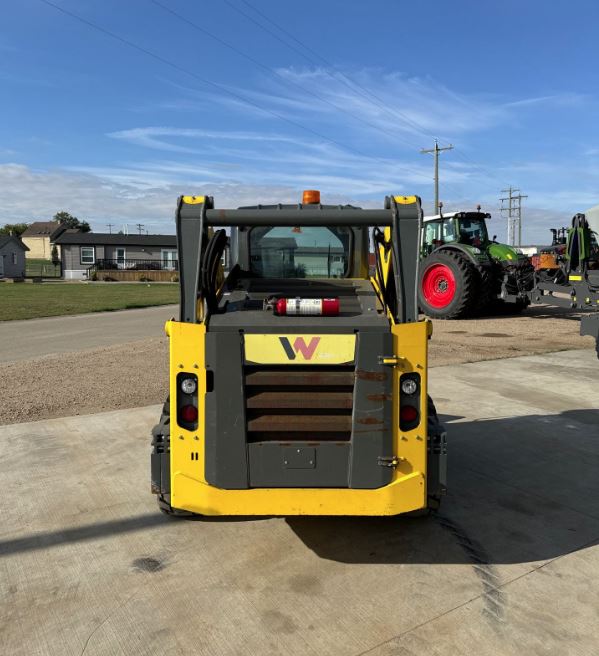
[{"x": 304, "y": 403}]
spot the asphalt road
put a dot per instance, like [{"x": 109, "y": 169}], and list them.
[
  {"x": 509, "y": 566},
  {"x": 33, "y": 338}
]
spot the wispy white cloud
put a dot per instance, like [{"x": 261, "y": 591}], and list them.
[
  {"x": 383, "y": 103},
  {"x": 147, "y": 193},
  {"x": 152, "y": 137},
  {"x": 386, "y": 119},
  {"x": 376, "y": 132},
  {"x": 557, "y": 100},
  {"x": 104, "y": 197},
  {"x": 252, "y": 157}
]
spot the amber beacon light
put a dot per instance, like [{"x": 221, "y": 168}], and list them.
[{"x": 311, "y": 197}]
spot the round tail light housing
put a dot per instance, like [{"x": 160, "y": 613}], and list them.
[{"x": 189, "y": 414}]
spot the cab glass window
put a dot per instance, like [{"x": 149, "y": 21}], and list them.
[{"x": 300, "y": 252}]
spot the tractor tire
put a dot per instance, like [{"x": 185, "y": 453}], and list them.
[
  {"x": 447, "y": 286},
  {"x": 486, "y": 293},
  {"x": 161, "y": 434}
]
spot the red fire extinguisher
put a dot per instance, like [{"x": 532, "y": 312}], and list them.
[{"x": 326, "y": 307}]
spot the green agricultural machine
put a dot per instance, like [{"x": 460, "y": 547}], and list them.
[{"x": 464, "y": 273}]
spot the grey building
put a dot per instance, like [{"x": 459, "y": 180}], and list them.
[
  {"x": 12, "y": 257},
  {"x": 85, "y": 251}
]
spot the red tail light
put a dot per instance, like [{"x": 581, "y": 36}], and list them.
[
  {"x": 408, "y": 414},
  {"x": 189, "y": 414},
  {"x": 409, "y": 401}
]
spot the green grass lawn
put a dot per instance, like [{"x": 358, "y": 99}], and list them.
[{"x": 28, "y": 301}]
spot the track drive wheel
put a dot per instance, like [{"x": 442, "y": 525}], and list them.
[
  {"x": 161, "y": 434},
  {"x": 434, "y": 429},
  {"x": 447, "y": 286}
]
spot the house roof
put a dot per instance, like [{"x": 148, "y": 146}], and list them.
[
  {"x": 5, "y": 239},
  {"x": 49, "y": 229},
  {"x": 105, "y": 239}
]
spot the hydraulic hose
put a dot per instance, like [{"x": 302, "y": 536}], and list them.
[{"x": 209, "y": 268}]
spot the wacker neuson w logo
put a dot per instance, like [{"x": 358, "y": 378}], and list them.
[
  {"x": 299, "y": 349},
  {"x": 300, "y": 346}
]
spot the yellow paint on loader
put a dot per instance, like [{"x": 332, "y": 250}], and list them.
[
  {"x": 193, "y": 200},
  {"x": 405, "y": 200},
  {"x": 189, "y": 490},
  {"x": 299, "y": 349}
]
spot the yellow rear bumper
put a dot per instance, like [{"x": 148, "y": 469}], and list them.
[{"x": 403, "y": 495}]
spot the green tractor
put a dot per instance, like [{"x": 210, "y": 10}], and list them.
[{"x": 464, "y": 273}]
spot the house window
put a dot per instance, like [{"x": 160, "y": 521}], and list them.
[
  {"x": 14, "y": 258},
  {"x": 87, "y": 255}
]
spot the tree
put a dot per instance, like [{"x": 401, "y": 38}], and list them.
[
  {"x": 13, "y": 229},
  {"x": 70, "y": 221},
  {"x": 55, "y": 258}
]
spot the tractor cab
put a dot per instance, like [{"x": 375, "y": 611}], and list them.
[{"x": 468, "y": 228}]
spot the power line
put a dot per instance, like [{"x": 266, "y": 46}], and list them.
[
  {"x": 310, "y": 92},
  {"x": 435, "y": 151},
  {"x": 109, "y": 226},
  {"x": 352, "y": 85},
  {"x": 140, "y": 227},
  {"x": 343, "y": 78},
  {"x": 481, "y": 168},
  {"x": 221, "y": 88}
]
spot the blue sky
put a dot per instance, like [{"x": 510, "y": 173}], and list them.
[{"x": 97, "y": 127}]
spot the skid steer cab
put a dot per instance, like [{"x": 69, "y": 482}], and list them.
[{"x": 298, "y": 382}]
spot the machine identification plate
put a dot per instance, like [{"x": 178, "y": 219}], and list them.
[{"x": 299, "y": 349}]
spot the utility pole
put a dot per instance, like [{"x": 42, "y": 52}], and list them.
[
  {"x": 140, "y": 227},
  {"x": 435, "y": 151},
  {"x": 109, "y": 226},
  {"x": 514, "y": 215}
]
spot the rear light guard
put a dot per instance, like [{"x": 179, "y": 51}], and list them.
[
  {"x": 187, "y": 403},
  {"x": 409, "y": 404}
]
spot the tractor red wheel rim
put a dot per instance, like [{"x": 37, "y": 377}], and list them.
[{"x": 438, "y": 285}]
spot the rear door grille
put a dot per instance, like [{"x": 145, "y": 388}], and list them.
[{"x": 312, "y": 403}]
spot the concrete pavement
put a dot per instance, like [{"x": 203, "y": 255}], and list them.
[
  {"x": 37, "y": 337},
  {"x": 88, "y": 565}
]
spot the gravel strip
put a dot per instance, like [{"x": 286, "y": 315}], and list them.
[
  {"x": 135, "y": 373},
  {"x": 84, "y": 382}
]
